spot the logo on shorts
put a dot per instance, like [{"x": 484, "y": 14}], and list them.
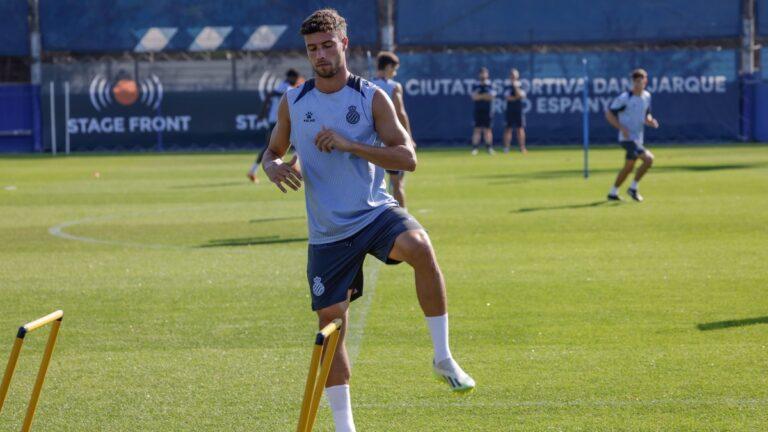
[
  {"x": 352, "y": 115},
  {"x": 317, "y": 287},
  {"x": 309, "y": 117}
]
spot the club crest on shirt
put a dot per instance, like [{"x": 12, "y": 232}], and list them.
[
  {"x": 309, "y": 117},
  {"x": 352, "y": 115},
  {"x": 317, "y": 287}
]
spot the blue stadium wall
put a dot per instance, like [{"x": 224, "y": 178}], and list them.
[
  {"x": 14, "y": 37},
  {"x": 469, "y": 22},
  {"x": 98, "y": 26},
  {"x": 695, "y": 92}
]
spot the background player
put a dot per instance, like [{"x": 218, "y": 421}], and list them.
[
  {"x": 483, "y": 95},
  {"x": 630, "y": 112},
  {"x": 335, "y": 122},
  {"x": 292, "y": 79},
  {"x": 514, "y": 96},
  {"x": 388, "y": 64}
]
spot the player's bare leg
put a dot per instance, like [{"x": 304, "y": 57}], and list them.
[
  {"x": 414, "y": 248},
  {"x": 521, "y": 140},
  {"x": 629, "y": 165},
  {"x": 507, "y": 139},
  {"x": 647, "y": 158},
  {"x": 397, "y": 181},
  {"x": 476, "y": 140},
  {"x": 488, "y": 135}
]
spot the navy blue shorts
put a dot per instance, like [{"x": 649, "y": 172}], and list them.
[
  {"x": 515, "y": 118},
  {"x": 483, "y": 119},
  {"x": 633, "y": 149},
  {"x": 335, "y": 268}
]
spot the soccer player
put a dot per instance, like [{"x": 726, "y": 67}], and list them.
[
  {"x": 292, "y": 79},
  {"x": 514, "y": 96},
  {"x": 483, "y": 95},
  {"x": 388, "y": 64},
  {"x": 630, "y": 112},
  {"x": 346, "y": 133}
]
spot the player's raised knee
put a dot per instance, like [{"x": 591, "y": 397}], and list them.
[{"x": 416, "y": 247}]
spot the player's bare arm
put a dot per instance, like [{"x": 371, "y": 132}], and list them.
[
  {"x": 279, "y": 172},
  {"x": 651, "y": 121},
  {"x": 398, "y": 151},
  {"x": 397, "y": 100},
  {"x": 614, "y": 121}
]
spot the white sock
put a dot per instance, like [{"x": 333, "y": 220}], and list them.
[
  {"x": 341, "y": 407},
  {"x": 438, "y": 328},
  {"x": 614, "y": 190},
  {"x": 633, "y": 185}
]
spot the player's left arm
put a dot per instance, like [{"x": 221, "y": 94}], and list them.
[
  {"x": 402, "y": 115},
  {"x": 650, "y": 120},
  {"x": 398, "y": 152},
  {"x": 520, "y": 95}
]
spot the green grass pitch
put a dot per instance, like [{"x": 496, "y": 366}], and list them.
[{"x": 187, "y": 306}]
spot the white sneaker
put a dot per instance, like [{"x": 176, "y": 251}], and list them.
[
  {"x": 252, "y": 173},
  {"x": 450, "y": 371},
  {"x": 474, "y": 152},
  {"x": 491, "y": 151}
]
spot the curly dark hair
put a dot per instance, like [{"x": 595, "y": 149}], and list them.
[{"x": 324, "y": 21}]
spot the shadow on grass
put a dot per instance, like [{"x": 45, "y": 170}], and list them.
[
  {"x": 210, "y": 185},
  {"x": 569, "y": 206},
  {"x": 578, "y": 172},
  {"x": 252, "y": 241},
  {"x": 717, "y": 325},
  {"x": 275, "y": 219}
]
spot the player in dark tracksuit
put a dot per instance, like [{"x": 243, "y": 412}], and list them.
[
  {"x": 514, "y": 95},
  {"x": 482, "y": 95}
]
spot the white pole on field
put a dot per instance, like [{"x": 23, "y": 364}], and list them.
[
  {"x": 53, "y": 119},
  {"x": 66, "y": 117}
]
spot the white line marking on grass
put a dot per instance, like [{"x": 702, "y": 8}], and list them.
[
  {"x": 359, "y": 310},
  {"x": 58, "y": 231},
  {"x": 564, "y": 404}
]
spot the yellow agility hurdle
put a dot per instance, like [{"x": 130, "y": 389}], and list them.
[
  {"x": 54, "y": 318},
  {"x": 326, "y": 340}
]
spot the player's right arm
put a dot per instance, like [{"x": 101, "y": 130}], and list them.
[
  {"x": 279, "y": 172},
  {"x": 611, "y": 114},
  {"x": 397, "y": 99}
]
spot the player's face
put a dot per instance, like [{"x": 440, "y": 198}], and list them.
[
  {"x": 483, "y": 75},
  {"x": 326, "y": 53},
  {"x": 514, "y": 75},
  {"x": 640, "y": 82},
  {"x": 391, "y": 70}
]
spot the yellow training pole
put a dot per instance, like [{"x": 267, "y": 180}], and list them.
[
  {"x": 54, "y": 317},
  {"x": 325, "y": 369},
  {"x": 9, "y": 369},
  {"x": 41, "y": 375},
  {"x": 309, "y": 388},
  {"x": 316, "y": 379}
]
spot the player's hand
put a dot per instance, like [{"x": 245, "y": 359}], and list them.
[
  {"x": 654, "y": 123},
  {"x": 328, "y": 140},
  {"x": 280, "y": 172}
]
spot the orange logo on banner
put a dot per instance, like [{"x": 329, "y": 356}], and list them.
[{"x": 126, "y": 92}]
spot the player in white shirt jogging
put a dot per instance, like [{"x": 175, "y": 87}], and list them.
[{"x": 630, "y": 112}]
